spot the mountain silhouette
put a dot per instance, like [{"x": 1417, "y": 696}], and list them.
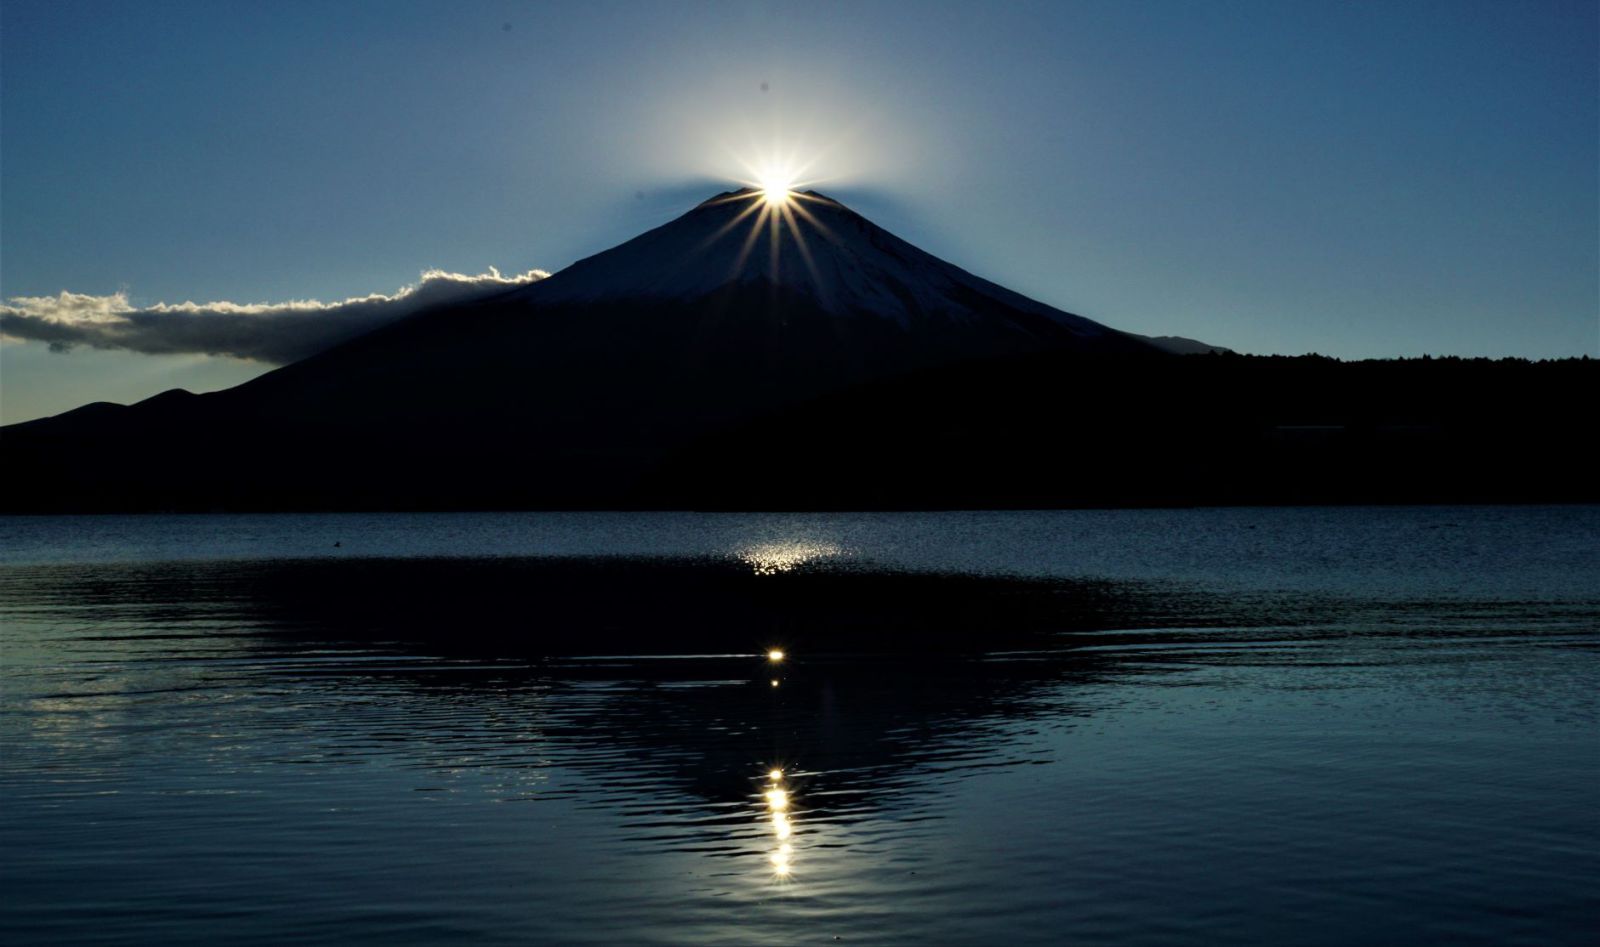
[
  {"x": 565, "y": 391},
  {"x": 758, "y": 355},
  {"x": 729, "y": 310}
]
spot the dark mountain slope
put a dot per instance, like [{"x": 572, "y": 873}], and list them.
[{"x": 564, "y": 393}]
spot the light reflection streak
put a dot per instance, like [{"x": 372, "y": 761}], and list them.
[
  {"x": 773, "y": 558},
  {"x": 780, "y": 818}
]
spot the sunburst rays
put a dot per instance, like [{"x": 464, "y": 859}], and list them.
[{"x": 789, "y": 218}]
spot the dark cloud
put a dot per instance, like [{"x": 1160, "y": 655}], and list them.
[{"x": 276, "y": 333}]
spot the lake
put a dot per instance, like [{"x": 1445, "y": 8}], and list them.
[{"x": 1259, "y": 726}]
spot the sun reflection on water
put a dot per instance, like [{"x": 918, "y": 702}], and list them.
[
  {"x": 781, "y": 820},
  {"x": 773, "y": 558}
]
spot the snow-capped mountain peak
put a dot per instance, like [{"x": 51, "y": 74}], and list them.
[{"x": 810, "y": 245}]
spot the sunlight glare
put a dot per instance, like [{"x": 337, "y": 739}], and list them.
[
  {"x": 776, "y": 187},
  {"x": 778, "y": 817},
  {"x": 775, "y": 557}
]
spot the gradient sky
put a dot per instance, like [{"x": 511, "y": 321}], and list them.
[{"x": 1358, "y": 179}]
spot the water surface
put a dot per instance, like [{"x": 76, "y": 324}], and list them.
[{"x": 1105, "y": 726}]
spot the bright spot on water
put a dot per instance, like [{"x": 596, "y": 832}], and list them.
[
  {"x": 772, "y": 558},
  {"x": 782, "y": 827}
]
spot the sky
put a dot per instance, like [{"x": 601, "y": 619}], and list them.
[{"x": 1359, "y": 179}]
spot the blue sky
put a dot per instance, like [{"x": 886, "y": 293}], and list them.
[{"x": 1358, "y": 179}]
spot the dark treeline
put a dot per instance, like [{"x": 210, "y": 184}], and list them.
[{"x": 1055, "y": 430}]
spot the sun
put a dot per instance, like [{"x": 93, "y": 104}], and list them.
[
  {"x": 771, "y": 199},
  {"x": 776, "y": 188},
  {"x": 776, "y": 178}
]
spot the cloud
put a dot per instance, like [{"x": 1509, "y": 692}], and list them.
[{"x": 276, "y": 333}]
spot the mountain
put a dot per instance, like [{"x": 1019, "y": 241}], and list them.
[
  {"x": 1178, "y": 345},
  {"x": 568, "y": 392},
  {"x": 819, "y": 250}
]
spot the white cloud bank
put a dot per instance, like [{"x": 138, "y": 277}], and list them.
[{"x": 275, "y": 333}]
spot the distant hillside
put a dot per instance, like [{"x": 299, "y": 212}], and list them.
[
  {"x": 1052, "y": 430},
  {"x": 1063, "y": 431},
  {"x": 1178, "y": 345}
]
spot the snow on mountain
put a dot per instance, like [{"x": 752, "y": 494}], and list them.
[{"x": 814, "y": 246}]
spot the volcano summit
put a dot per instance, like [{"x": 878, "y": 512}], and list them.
[
  {"x": 813, "y": 249},
  {"x": 568, "y": 391}
]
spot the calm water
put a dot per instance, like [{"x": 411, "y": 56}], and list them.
[{"x": 1129, "y": 727}]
